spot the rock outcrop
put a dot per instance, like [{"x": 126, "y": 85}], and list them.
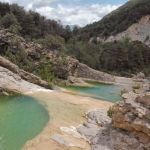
[
  {"x": 129, "y": 129},
  {"x": 12, "y": 83},
  {"x": 133, "y": 115},
  {"x": 64, "y": 68},
  {"x": 136, "y": 32}
]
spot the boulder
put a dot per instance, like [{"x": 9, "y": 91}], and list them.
[
  {"x": 140, "y": 75},
  {"x": 9, "y": 65}
]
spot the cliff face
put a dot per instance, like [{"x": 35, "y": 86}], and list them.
[{"x": 139, "y": 31}]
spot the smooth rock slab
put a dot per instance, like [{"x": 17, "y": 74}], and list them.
[
  {"x": 71, "y": 131},
  {"x": 68, "y": 141}
]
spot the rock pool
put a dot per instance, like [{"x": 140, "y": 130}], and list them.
[
  {"x": 21, "y": 119},
  {"x": 108, "y": 92}
]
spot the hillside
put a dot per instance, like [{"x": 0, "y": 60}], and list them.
[
  {"x": 29, "y": 24},
  {"x": 117, "y": 21},
  {"x": 37, "y": 42}
]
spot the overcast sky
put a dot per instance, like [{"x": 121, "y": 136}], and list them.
[{"x": 72, "y": 12}]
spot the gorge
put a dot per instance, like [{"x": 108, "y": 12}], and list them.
[{"x": 81, "y": 89}]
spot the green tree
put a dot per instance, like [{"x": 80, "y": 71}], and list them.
[
  {"x": 10, "y": 21},
  {"x": 53, "y": 42}
]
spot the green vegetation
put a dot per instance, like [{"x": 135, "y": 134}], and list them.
[
  {"x": 45, "y": 71},
  {"x": 16, "y": 53},
  {"x": 136, "y": 86},
  {"x": 123, "y": 57},
  {"x": 30, "y": 25},
  {"x": 10, "y": 21},
  {"x": 110, "y": 112},
  {"x": 53, "y": 42}
]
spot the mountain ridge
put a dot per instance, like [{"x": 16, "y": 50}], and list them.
[{"x": 118, "y": 20}]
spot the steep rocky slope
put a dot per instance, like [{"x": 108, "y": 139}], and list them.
[
  {"x": 63, "y": 66},
  {"x": 133, "y": 26},
  {"x": 118, "y": 21},
  {"x": 139, "y": 31},
  {"x": 123, "y": 22}
]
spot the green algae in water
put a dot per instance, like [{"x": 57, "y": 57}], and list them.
[
  {"x": 21, "y": 119},
  {"x": 108, "y": 92}
]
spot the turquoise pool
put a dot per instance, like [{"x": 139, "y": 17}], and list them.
[
  {"x": 21, "y": 119},
  {"x": 108, "y": 92}
]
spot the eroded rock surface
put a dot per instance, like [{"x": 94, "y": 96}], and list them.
[
  {"x": 21, "y": 73},
  {"x": 133, "y": 115},
  {"x": 137, "y": 32},
  {"x": 15, "y": 80}
]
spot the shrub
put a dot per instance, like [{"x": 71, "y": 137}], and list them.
[
  {"x": 10, "y": 21},
  {"x": 45, "y": 71},
  {"x": 110, "y": 112},
  {"x": 52, "y": 42}
]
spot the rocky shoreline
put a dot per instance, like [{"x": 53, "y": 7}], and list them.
[
  {"x": 129, "y": 128},
  {"x": 123, "y": 126}
]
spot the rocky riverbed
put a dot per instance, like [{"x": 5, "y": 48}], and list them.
[{"x": 129, "y": 127}]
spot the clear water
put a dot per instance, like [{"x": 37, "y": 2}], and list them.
[
  {"x": 21, "y": 119},
  {"x": 106, "y": 92}
]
